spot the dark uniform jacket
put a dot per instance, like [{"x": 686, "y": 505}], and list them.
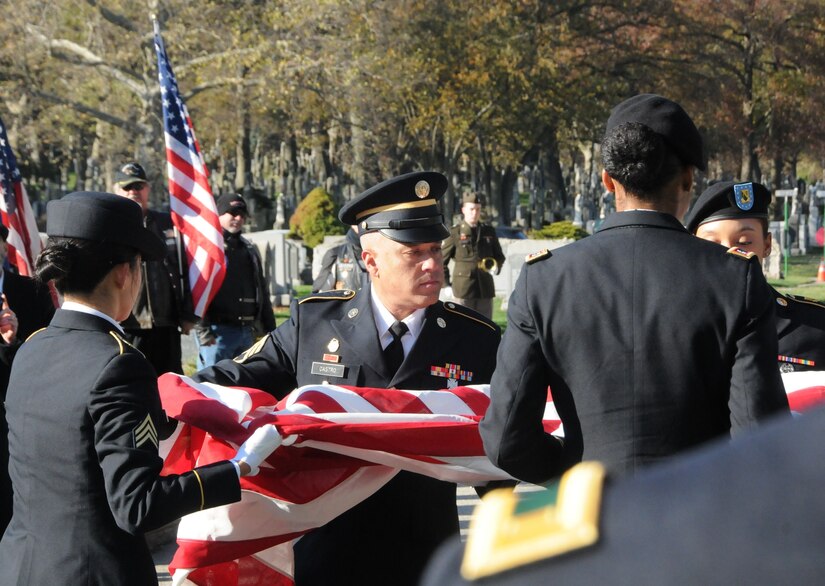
[
  {"x": 388, "y": 538},
  {"x": 84, "y": 418},
  {"x": 468, "y": 246},
  {"x": 748, "y": 511},
  {"x": 651, "y": 341},
  {"x": 165, "y": 299},
  {"x": 243, "y": 298},
  {"x": 33, "y": 306},
  {"x": 342, "y": 267},
  {"x": 800, "y": 325}
]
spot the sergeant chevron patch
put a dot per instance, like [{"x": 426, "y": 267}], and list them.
[{"x": 145, "y": 433}]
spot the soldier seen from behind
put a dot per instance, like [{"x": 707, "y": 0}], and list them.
[{"x": 650, "y": 340}]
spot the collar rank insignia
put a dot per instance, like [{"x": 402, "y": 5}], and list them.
[
  {"x": 536, "y": 256},
  {"x": 741, "y": 253},
  {"x": 510, "y": 530},
  {"x": 452, "y": 371},
  {"x": 145, "y": 433}
]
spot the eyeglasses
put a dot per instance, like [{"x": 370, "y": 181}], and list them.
[
  {"x": 137, "y": 186},
  {"x": 237, "y": 213}
]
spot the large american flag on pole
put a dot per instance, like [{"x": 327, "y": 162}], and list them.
[
  {"x": 341, "y": 444},
  {"x": 193, "y": 208},
  {"x": 23, "y": 240}
]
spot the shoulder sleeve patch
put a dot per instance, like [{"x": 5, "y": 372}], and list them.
[
  {"x": 509, "y": 530},
  {"x": 537, "y": 256},
  {"x": 741, "y": 253},
  {"x": 340, "y": 295},
  {"x": 32, "y": 335},
  {"x": 469, "y": 314}
]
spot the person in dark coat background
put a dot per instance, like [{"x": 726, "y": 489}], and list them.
[
  {"x": 85, "y": 418},
  {"x": 652, "y": 341},
  {"x": 26, "y": 307},
  {"x": 241, "y": 308},
  {"x": 735, "y": 215},
  {"x": 163, "y": 309},
  {"x": 342, "y": 266},
  {"x": 392, "y": 333}
]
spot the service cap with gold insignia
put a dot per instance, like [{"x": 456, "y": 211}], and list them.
[
  {"x": 404, "y": 208},
  {"x": 728, "y": 200}
]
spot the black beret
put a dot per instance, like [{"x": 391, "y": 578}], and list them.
[
  {"x": 727, "y": 200},
  {"x": 102, "y": 217},
  {"x": 130, "y": 172},
  {"x": 4, "y": 232},
  {"x": 471, "y": 197},
  {"x": 667, "y": 119},
  {"x": 404, "y": 208},
  {"x": 231, "y": 202}
]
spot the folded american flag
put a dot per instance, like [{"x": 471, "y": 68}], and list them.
[{"x": 342, "y": 444}]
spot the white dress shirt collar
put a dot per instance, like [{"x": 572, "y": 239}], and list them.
[
  {"x": 83, "y": 308},
  {"x": 384, "y": 319}
]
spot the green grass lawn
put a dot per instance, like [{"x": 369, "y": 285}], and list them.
[{"x": 801, "y": 277}]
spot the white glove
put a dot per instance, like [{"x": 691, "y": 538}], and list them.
[
  {"x": 258, "y": 447},
  {"x": 447, "y": 293}
]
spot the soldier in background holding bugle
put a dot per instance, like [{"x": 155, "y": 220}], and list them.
[{"x": 477, "y": 254}]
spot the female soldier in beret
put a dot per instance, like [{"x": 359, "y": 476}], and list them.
[
  {"x": 84, "y": 416},
  {"x": 735, "y": 214}
]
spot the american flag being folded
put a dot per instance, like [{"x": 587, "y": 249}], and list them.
[{"x": 342, "y": 444}]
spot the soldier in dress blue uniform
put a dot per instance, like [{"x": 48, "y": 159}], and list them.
[
  {"x": 359, "y": 338},
  {"x": 735, "y": 215},
  {"x": 84, "y": 416},
  {"x": 747, "y": 511},
  {"x": 651, "y": 341}
]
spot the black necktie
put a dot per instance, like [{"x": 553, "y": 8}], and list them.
[{"x": 394, "y": 352}]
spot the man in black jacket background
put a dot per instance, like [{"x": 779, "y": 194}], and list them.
[
  {"x": 164, "y": 307},
  {"x": 241, "y": 307}
]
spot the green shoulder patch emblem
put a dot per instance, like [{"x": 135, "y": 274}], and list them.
[
  {"x": 510, "y": 530},
  {"x": 339, "y": 294},
  {"x": 536, "y": 256},
  {"x": 741, "y": 253}
]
